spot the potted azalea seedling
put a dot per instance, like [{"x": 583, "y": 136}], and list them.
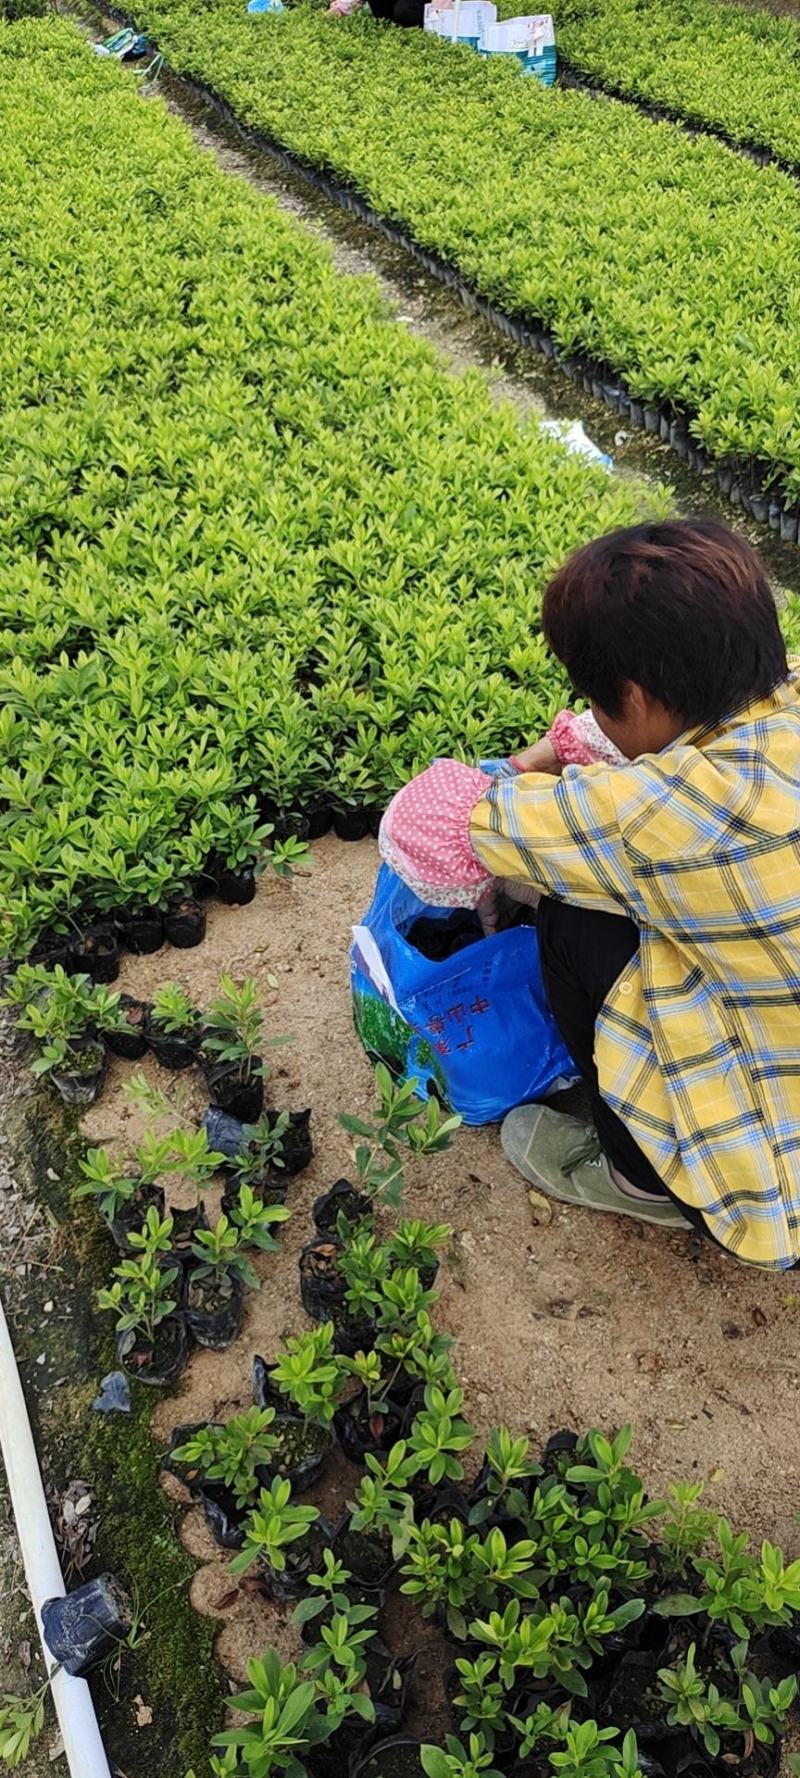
[
  {"x": 455, "y": 1760},
  {"x": 285, "y": 1721},
  {"x": 226, "y": 1467},
  {"x": 232, "y": 1039},
  {"x": 266, "y": 1152},
  {"x": 503, "y": 1487},
  {"x": 414, "y": 1245},
  {"x": 151, "y": 1335},
  {"x": 308, "y": 1378},
  {"x": 217, "y": 1274},
  {"x": 124, "y": 1028},
  {"x": 122, "y": 1199},
  {"x": 355, "y": 790},
  {"x": 239, "y": 841},
  {"x": 60, "y": 1016},
  {"x": 373, "y": 1537},
  {"x": 438, "y": 1435},
  {"x": 348, "y": 1661},
  {"x": 254, "y": 1219},
  {"x": 174, "y": 1028},
  {"x": 342, "y": 1275},
  {"x": 283, "y": 1539}
]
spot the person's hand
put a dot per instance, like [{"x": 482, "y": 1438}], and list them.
[{"x": 540, "y": 757}]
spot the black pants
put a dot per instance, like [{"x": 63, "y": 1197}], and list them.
[
  {"x": 583, "y": 953},
  {"x": 399, "y": 12}
]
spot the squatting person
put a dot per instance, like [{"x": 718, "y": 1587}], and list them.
[{"x": 669, "y": 872}]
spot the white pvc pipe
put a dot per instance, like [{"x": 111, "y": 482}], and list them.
[{"x": 86, "y": 1755}]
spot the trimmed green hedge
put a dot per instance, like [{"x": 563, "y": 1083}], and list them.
[
  {"x": 674, "y": 261},
  {"x": 713, "y": 64},
  {"x": 253, "y": 537}
]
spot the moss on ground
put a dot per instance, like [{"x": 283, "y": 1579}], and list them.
[{"x": 172, "y": 1666}]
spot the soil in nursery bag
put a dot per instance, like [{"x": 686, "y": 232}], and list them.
[
  {"x": 214, "y": 1310},
  {"x": 184, "y": 1224},
  {"x": 368, "y": 1557},
  {"x": 394, "y": 1758},
  {"x": 185, "y": 924},
  {"x": 141, "y": 933},
  {"x": 79, "y": 1078},
  {"x": 97, "y": 952},
  {"x": 132, "y": 1215},
  {"x": 162, "y": 1363},
  {"x": 439, "y": 939},
  {"x": 342, "y": 1199},
  {"x": 322, "y": 1286},
  {"x": 359, "y": 1432},
  {"x": 303, "y": 1450},
  {"x": 633, "y": 1701},
  {"x": 242, "y": 1096},
  {"x": 131, "y": 1042}
]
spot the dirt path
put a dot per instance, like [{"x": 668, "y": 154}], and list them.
[{"x": 587, "y": 1321}]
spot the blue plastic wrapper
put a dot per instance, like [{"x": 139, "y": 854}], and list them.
[
  {"x": 475, "y": 1030},
  {"x": 225, "y": 1133}
]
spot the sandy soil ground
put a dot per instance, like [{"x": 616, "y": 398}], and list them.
[{"x": 587, "y": 1320}]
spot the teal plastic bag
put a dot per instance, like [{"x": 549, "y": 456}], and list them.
[{"x": 475, "y": 1029}]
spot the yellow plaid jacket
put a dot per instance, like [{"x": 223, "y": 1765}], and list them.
[{"x": 698, "y": 1044}]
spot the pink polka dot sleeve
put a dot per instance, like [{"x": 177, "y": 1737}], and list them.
[
  {"x": 424, "y": 835},
  {"x": 577, "y": 741}
]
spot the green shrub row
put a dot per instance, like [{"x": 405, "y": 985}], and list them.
[
  {"x": 718, "y": 65},
  {"x": 673, "y": 261},
  {"x": 253, "y": 537}
]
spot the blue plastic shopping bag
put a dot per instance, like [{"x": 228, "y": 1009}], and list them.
[{"x": 475, "y": 1029}]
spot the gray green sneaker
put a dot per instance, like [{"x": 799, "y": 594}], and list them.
[{"x": 562, "y": 1157}]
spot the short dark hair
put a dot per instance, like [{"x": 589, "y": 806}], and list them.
[{"x": 684, "y": 609}]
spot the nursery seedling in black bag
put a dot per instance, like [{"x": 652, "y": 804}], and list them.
[
  {"x": 383, "y": 1504},
  {"x": 366, "y": 1367},
  {"x": 273, "y": 1525},
  {"x": 417, "y": 1244},
  {"x": 687, "y": 1529},
  {"x": 307, "y": 1373},
  {"x": 254, "y": 1219},
  {"x": 342, "y": 1643},
  {"x": 589, "y": 1753},
  {"x": 507, "y": 1467},
  {"x": 438, "y": 1434},
  {"x": 695, "y": 1704},
  {"x": 327, "y": 1590},
  {"x": 220, "y": 1256},
  {"x": 287, "y": 1721},
  {"x": 234, "y": 1453},
  {"x": 234, "y": 1028},
  {"x": 141, "y": 1299},
  {"x": 154, "y": 1237},
  {"x": 443, "y": 1569},
  {"x": 455, "y": 1760},
  {"x": 110, "y": 1188},
  {"x": 402, "y": 1121},
  {"x": 174, "y": 1015}
]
